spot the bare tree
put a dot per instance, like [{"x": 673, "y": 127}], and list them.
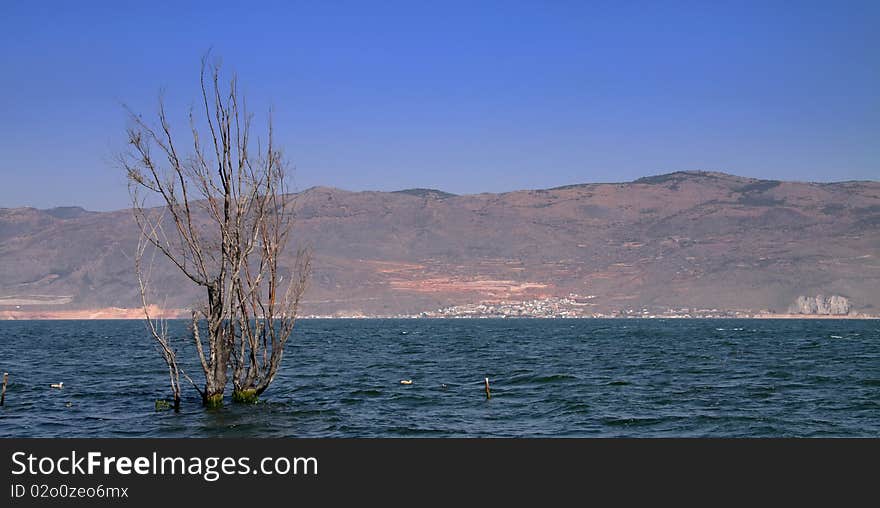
[
  {"x": 225, "y": 220},
  {"x": 158, "y": 328}
]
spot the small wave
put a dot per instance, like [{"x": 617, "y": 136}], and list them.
[
  {"x": 413, "y": 431},
  {"x": 618, "y": 383},
  {"x": 762, "y": 391},
  {"x": 576, "y": 407},
  {"x": 553, "y": 378},
  {"x": 366, "y": 393},
  {"x": 836, "y": 336},
  {"x": 779, "y": 374},
  {"x": 632, "y": 422}
]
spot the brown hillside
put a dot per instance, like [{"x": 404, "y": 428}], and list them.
[{"x": 688, "y": 239}]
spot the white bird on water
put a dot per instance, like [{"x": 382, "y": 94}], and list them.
[{"x": 57, "y": 385}]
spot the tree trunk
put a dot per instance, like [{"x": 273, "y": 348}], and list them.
[
  {"x": 216, "y": 372},
  {"x": 3, "y": 392}
]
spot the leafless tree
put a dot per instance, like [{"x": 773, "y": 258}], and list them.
[
  {"x": 225, "y": 219},
  {"x": 157, "y": 325}
]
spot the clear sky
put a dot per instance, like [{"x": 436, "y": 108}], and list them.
[{"x": 461, "y": 96}]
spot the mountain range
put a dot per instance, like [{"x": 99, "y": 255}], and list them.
[{"x": 685, "y": 240}]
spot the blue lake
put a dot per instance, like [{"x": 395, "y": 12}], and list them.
[{"x": 549, "y": 378}]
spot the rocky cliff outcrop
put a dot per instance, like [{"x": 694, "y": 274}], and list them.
[{"x": 834, "y": 305}]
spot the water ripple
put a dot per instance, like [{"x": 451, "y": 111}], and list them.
[{"x": 341, "y": 378}]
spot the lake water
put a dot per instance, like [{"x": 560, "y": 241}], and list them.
[{"x": 556, "y": 377}]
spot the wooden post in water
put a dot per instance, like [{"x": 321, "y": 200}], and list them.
[
  {"x": 3, "y": 391},
  {"x": 488, "y": 393}
]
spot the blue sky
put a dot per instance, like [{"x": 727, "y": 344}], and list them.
[{"x": 462, "y": 96}]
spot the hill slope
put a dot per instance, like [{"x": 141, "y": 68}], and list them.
[{"x": 687, "y": 239}]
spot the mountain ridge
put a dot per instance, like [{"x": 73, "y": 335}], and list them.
[
  {"x": 422, "y": 191},
  {"x": 680, "y": 239}
]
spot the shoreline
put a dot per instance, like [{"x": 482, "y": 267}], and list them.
[{"x": 138, "y": 315}]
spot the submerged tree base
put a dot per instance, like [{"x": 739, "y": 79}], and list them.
[
  {"x": 215, "y": 400},
  {"x": 245, "y": 396}
]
